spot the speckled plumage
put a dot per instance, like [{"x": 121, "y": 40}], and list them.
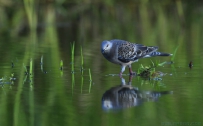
[{"x": 125, "y": 53}]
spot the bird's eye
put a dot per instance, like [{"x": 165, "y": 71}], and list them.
[{"x": 107, "y": 45}]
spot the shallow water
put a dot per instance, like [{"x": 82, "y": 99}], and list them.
[
  {"x": 59, "y": 97},
  {"x": 50, "y": 96}
]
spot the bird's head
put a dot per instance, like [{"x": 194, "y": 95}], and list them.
[{"x": 106, "y": 46}]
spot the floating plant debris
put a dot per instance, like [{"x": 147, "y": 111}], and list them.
[{"x": 190, "y": 64}]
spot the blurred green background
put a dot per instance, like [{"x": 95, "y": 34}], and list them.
[{"x": 163, "y": 23}]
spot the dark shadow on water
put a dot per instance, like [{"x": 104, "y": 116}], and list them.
[{"x": 126, "y": 96}]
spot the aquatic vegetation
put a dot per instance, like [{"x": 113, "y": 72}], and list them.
[
  {"x": 81, "y": 52},
  {"x": 31, "y": 67},
  {"x": 82, "y": 61},
  {"x": 72, "y": 56},
  {"x": 25, "y": 68},
  {"x": 150, "y": 71},
  {"x": 41, "y": 61},
  {"x": 173, "y": 58},
  {"x": 61, "y": 65},
  {"x": 90, "y": 80},
  {"x": 7, "y": 80},
  {"x": 174, "y": 54},
  {"x": 12, "y": 64}
]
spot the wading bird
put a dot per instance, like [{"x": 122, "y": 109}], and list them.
[{"x": 124, "y": 53}]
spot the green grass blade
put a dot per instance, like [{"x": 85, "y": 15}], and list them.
[
  {"x": 25, "y": 67},
  {"x": 161, "y": 64},
  {"x": 61, "y": 65},
  {"x": 31, "y": 66},
  {"x": 90, "y": 80},
  {"x": 174, "y": 53},
  {"x": 81, "y": 57},
  {"x": 41, "y": 60},
  {"x": 72, "y": 56}
]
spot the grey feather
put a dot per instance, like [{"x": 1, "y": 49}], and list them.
[{"x": 125, "y": 53}]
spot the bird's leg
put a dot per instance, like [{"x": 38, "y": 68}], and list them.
[
  {"x": 120, "y": 75},
  {"x": 131, "y": 71},
  {"x": 130, "y": 79},
  {"x": 122, "y": 70},
  {"x": 123, "y": 81}
]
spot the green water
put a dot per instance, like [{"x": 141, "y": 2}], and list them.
[{"x": 50, "y": 96}]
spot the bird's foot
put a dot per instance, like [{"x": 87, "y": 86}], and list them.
[
  {"x": 132, "y": 73},
  {"x": 120, "y": 75}
]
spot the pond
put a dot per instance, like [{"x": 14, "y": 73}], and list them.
[{"x": 53, "y": 72}]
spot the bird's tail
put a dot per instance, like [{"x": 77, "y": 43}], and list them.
[{"x": 159, "y": 54}]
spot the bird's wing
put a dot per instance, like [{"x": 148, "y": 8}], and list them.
[{"x": 130, "y": 51}]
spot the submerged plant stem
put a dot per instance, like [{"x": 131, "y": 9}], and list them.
[
  {"x": 72, "y": 56},
  {"x": 41, "y": 60},
  {"x": 25, "y": 68},
  {"x": 174, "y": 53},
  {"x": 81, "y": 57},
  {"x": 30, "y": 66},
  {"x": 61, "y": 65},
  {"x": 90, "y": 80}
]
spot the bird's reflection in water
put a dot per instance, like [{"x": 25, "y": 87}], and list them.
[{"x": 125, "y": 96}]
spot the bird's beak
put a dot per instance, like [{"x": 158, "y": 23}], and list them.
[{"x": 102, "y": 50}]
